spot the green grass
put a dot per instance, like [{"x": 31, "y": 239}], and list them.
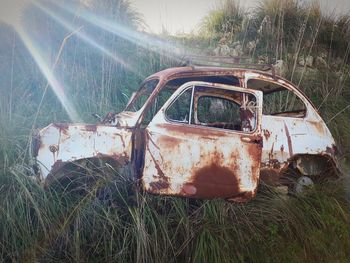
[{"x": 106, "y": 224}]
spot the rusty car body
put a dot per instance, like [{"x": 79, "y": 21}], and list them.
[{"x": 201, "y": 132}]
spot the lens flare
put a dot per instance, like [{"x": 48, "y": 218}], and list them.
[
  {"x": 47, "y": 72},
  {"x": 12, "y": 13},
  {"x": 84, "y": 37},
  {"x": 143, "y": 40}
]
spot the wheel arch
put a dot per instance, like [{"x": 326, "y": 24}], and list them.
[
  {"x": 315, "y": 165},
  {"x": 72, "y": 168}
]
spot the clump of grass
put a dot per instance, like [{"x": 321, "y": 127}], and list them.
[
  {"x": 107, "y": 224},
  {"x": 226, "y": 20}
]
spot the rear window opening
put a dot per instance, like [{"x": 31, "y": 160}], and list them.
[{"x": 277, "y": 100}]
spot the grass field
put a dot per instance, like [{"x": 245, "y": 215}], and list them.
[{"x": 106, "y": 224}]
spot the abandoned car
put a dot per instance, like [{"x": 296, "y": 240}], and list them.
[{"x": 201, "y": 132}]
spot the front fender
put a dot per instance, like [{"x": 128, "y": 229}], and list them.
[{"x": 63, "y": 143}]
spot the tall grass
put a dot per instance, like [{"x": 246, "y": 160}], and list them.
[
  {"x": 93, "y": 81},
  {"x": 105, "y": 224},
  {"x": 293, "y": 31}
]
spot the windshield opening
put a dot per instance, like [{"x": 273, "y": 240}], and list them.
[{"x": 142, "y": 95}]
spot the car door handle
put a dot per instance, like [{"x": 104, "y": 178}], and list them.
[{"x": 254, "y": 140}]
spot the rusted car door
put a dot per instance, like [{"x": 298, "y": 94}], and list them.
[{"x": 205, "y": 142}]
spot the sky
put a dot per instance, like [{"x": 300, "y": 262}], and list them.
[
  {"x": 183, "y": 16},
  {"x": 175, "y": 16}
]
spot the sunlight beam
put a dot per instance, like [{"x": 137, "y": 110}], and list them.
[
  {"x": 84, "y": 37},
  {"x": 47, "y": 72},
  {"x": 133, "y": 36},
  {"x": 12, "y": 13}
]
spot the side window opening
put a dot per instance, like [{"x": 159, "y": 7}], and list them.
[
  {"x": 278, "y": 101},
  {"x": 142, "y": 95},
  {"x": 214, "y": 107},
  {"x": 180, "y": 109},
  {"x": 159, "y": 101},
  {"x": 218, "y": 112},
  {"x": 171, "y": 86}
]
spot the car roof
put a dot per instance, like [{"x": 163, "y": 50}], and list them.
[
  {"x": 174, "y": 72},
  {"x": 187, "y": 70}
]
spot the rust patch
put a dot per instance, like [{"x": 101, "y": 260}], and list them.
[
  {"x": 275, "y": 164},
  {"x": 110, "y": 117},
  {"x": 246, "y": 115},
  {"x": 267, "y": 134},
  {"x": 121, "y": 138},
  {"x": 332, "y": 150},
  {"x": 195, "y": 130},
  {"x": 163, "y": 181},
  {"x": 213, "y": 181},
  {"x": 158, "y": 185},
  {"x": 270, "y": 176},
  {"x": 242, "y": 197},
  {"x": 289, "y": 140},
  {"x": 272, "y": 173},
  {"x": 271, "y": 151},
  {"x": 90, "y": 128},
  {"x": 189, "y": 189},
  {"x": 63, "y": 127},
  {"x": 121, "y": 159},
  {"x": 168, "y": 141},
  {"x": 319, "y": 126},
  {"x": 254, "y": 151}
]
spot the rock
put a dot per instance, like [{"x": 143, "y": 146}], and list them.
[
  {"x": 321, "y": 62},
  {"x": 251, "y": 46},
  {"x": 249, "y": 61},
  {"x": 234, "y": 53},
  {"x": 307, "y": 44},
  {"x": 237, "y": 51},
  {"x": 234, "y": 44},
  {"x": 223, "y": 41},
  {"x": 309, "y": 61},
  {"x": 324, "y": 55},
  {"x": 341, "y": 76},
  {"x": 263, "y": 59},
  {"x": 224, "y": 50},
  {"x": 217, "y": 51},
  {"x": 280, "y": 67}
]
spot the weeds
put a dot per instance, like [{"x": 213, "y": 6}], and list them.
[{"x": 58, "y": 225}]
